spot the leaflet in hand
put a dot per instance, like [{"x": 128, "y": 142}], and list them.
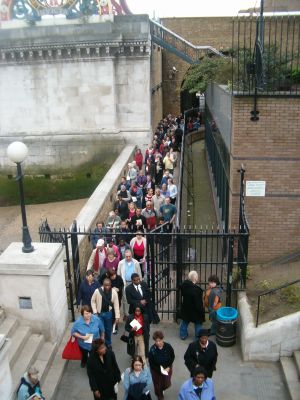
[
  {"x": 163, "y": 371},
  {"x": 135, "y": 324},
  {"x": 89, "y": 339}
]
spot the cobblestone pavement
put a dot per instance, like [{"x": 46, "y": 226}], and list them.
[{"x": 234, "y": 379}]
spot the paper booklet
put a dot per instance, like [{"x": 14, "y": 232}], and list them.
[
  {"x": 163, "y": 371},
  {"x": 89, "y": 339},
  {"x": 135, "y": 324}
]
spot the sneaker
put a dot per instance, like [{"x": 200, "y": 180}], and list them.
[
  {"x": 183, "y": 337},
  {"x": 115, "y": 332}
]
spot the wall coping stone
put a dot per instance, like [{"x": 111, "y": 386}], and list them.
[{"x": 269, "y": 341}]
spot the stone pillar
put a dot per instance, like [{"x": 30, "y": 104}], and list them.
[
  {"x": 32, "y": 288},
  {"x": 5, "y": 374}
]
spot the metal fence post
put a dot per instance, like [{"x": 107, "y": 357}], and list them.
[
  {"x": 179, "y": 271},
  {"x": 229, "y": 271},
  {"x": 69, "y": 282}
]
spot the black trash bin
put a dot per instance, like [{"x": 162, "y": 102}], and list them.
[{"x": 226, "y": 326}]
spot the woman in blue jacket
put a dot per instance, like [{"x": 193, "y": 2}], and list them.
[
  {"x": 199, "y": 387},
  {"x": 137, "y": 380}
]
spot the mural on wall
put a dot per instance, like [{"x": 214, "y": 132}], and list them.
[{"x": 33, "y": 10}]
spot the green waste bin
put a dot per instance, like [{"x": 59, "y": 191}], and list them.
[{"x": 226, "y": 326}]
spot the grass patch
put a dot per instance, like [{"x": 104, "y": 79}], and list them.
[{"x": 57, "y": 186}]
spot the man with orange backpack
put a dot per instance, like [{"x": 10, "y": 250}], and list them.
[{"x": 212, "y": 301}]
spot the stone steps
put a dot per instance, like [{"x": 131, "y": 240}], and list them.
[
  {"x": 26, "y": 357},
  {"x": 28, "y": 349},
  {"x": 18, "y": 340},
  {"x": 291, "y": 376},
  {"x": 8, "y": 326},
  {"x": 56, "y": 369},
  {"x": 296, "y": 356}
]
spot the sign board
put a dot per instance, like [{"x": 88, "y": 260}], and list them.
[
  {"x": 25, "y": 303},
  {"x": 255, "y": 188}
]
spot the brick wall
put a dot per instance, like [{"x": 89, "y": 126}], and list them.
[
  {"x": 269, "y": 149},
  {"x": 212, "y": 31}
]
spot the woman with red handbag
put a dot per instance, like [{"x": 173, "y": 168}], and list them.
[{"x": 87, "y": 328}]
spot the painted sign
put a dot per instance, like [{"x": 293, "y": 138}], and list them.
[{"x": 255, "y": 188}]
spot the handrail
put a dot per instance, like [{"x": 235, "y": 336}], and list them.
[
  {"x": 272, "y": 291},
  {"x": 194, "y": 47}
]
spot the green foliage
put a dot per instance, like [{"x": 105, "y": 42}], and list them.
[
  {"x": 210, "y": 69},
  {"x": 291, "y": 294},
  {"x": 296, "y": 75},
  {"x": 277, "y": 71},
  {"x": 62, "y": 186}
]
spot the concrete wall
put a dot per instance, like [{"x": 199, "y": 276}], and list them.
[
  {"x": 269, "y": 341},
  {"x": 101, "y": 202},
  {"x": 87, "y": 83},
  {"x": 156, "y": 85},
  {"x": 39, "y": 276},
  {"x": 218, "y": 100}
]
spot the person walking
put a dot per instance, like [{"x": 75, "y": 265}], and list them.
[
  {"x": 192, "y": 309},
  {"x": 137, "y": 381},
  {"x": 30, "y": 385},
  {"x": 118, "y": 284},
  {"x": 138, "y": 294},
  {"x": 126, "y": 268},
  {"x": 138, "y": 325},
  {"x": 139, "y": 248},
  {"x": 212, "y": 301},
  {"x": 86, "y": 289},
  {"x": 97, "y": 257},
  {"x": 161, "y": 358},
  {"x": 198, "y": 387},
  {"x": 103, "y": 371},
  {"x": 202, "y": 352},
  {"x": 85, "y": 329},
  {"x": 104, "y": 301}
]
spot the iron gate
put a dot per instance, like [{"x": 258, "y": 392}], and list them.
[{"x": 170, "y": 257}]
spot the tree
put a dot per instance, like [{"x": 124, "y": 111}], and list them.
[{"x": 217, "y": 69}]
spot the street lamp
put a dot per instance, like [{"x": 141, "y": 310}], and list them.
[{"x": 17, "y": 152}]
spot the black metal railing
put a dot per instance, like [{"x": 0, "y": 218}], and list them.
[
  {"x": 271, "y": 291},
  {"x": 171, "y": 255},
  {"x": 220, "y": 172},
  {"x": 266, "y": 55},
  {"x": 169, "y": 40}
]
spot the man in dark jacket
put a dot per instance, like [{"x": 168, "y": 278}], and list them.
[
  {"x": 202, "y": 353},
  {"x": 86, "y": 289},
  {"x": 192, "y": 309},
  {"x": 137, "y": 294}
]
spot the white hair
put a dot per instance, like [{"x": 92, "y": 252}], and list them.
[{"x": 193, "y": 276}]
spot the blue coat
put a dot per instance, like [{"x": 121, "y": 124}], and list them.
[
  {"x": 95, "y": 327},
  {"x": 187, "y": 391},
  {"x": 86, "y": 292}
]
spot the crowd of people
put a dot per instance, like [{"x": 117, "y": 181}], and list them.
[
  {"x": 114, "y": 287},
  {"x": 150, "y": 365}
]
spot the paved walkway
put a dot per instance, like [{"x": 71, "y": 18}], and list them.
[{"x": 234, "y": 379}]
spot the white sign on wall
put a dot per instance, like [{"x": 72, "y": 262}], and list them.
[{"x": 256, "y": 188}]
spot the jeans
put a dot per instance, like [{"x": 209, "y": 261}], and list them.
[
  {"x": 107, "y": 319},
  {"x": 213, "y": 319},
  {"x": 183, "y": 330}
]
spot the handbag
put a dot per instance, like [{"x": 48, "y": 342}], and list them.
[{"x": 72, "y": 350}]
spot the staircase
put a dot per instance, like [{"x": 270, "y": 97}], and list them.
[
  {"x": 28, "y": 348},
  {"x": 179, "y": 46},
  {"x": 291, "y": 371}
]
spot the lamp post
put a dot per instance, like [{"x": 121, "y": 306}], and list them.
[{"x": 17, "y": 152}]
